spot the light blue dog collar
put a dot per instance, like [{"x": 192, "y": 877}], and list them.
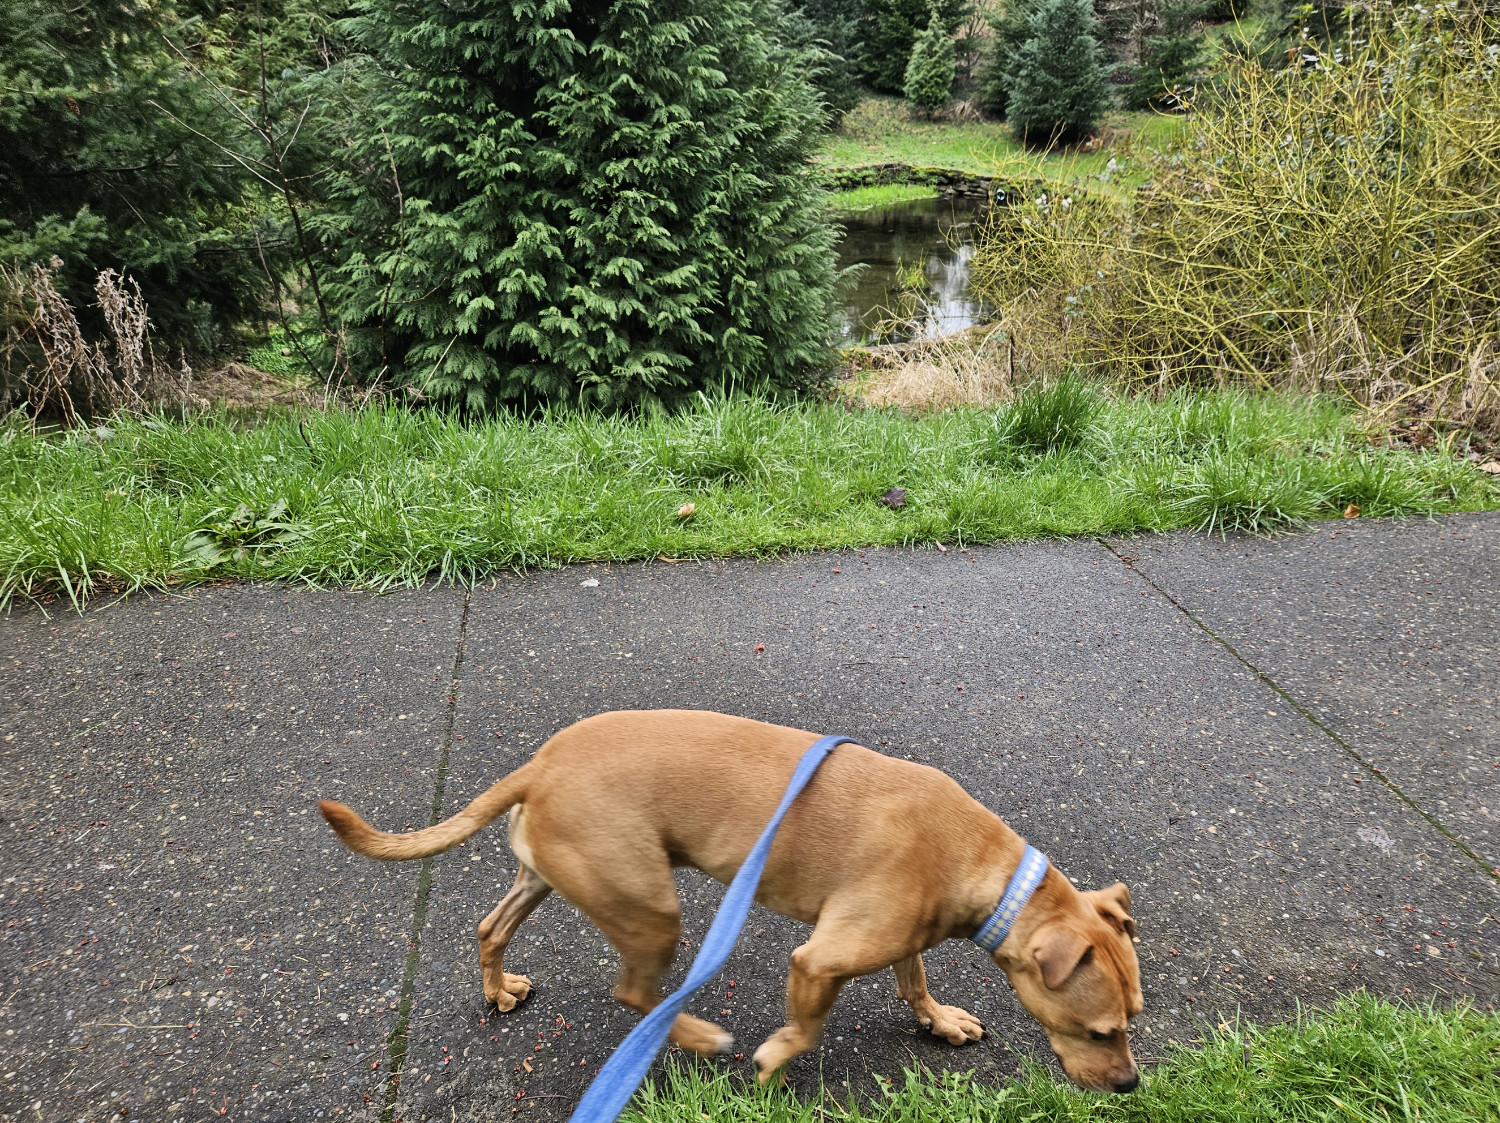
[{"x": 1022, "y": 885}]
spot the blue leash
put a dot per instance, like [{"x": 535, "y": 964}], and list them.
[{"x": 622, "y": 1074}]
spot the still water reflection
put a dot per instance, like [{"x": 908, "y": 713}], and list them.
[{"x": 917, "y": 270}]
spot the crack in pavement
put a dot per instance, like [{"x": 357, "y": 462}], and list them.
[
  {"x": 1348, "y": 749},
  {"x": 396, "y": 1041}
]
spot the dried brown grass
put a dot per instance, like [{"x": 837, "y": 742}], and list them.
[
  {"x": 59, "y": 374},
  {"x": 970, "y": 368}
]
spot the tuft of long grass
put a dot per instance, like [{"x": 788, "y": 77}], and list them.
[
  {"x": 1365, "y": 1060},
  {"x": 383, "y": 497},
  {"x": 879, "y": 197}
]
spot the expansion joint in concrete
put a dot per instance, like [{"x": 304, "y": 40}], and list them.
[
  {"x": 396, "y": 1041},
  {"x": 1344, "y": 746}
]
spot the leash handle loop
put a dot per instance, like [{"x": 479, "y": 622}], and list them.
[{"x": 622, "y": 1074}]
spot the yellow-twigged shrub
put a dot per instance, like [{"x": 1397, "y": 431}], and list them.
[{"x": 1333, "y": 223}]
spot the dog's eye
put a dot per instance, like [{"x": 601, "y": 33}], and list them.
[{"x": 1097, "y": 1036}]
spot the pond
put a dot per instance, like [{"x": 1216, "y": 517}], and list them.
[{"x": 915, "y": 284}]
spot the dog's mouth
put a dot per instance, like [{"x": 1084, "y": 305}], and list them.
[
  {"x": 1124, "y": 1082},
  {"x": 1097, "y": 1069}
]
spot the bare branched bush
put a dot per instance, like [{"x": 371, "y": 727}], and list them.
[
  {"x": 59, "y": 374},
  {"x": 1334, "y": 224}
]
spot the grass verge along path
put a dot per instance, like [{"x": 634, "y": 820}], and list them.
[
  {"x": 1364, "y": 1061},
  {"x": 382, "y": 497}
]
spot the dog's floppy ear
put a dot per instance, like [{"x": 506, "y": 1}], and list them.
[
  {"x": 1114, "y": 906},
  {"x": 1059, "y": 953}
]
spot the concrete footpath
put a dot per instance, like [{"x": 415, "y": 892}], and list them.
[{"x": 1288, "y": 749}]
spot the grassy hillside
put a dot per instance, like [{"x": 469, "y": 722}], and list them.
[{"x": 882, "y": 129}]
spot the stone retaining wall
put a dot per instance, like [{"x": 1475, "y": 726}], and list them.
[{"x": 950, "y": 182}]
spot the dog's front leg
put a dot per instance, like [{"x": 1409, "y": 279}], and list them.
[
  {"x": 956, "y": 1025},
  {"x": 811, "y": 987}
]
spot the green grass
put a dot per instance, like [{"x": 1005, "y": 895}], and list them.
[
  {"x": 874, "y": 198},
  {"x": 1364, "y": 1061},
  {"x": 277, "y": 356},
  {"x": 381, "y": 497},
  {"x": 881, "y": 130}
]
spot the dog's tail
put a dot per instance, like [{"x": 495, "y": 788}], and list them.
[{"x": 364, "y": 839}]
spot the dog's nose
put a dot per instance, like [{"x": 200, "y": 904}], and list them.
[{"x": 1129, "y": 1084}]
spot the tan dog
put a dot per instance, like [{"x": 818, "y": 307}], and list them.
[{"x": 884, "y": 857}]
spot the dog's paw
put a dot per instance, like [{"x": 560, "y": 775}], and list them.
[
  {"x": 701, "y": 1037},
  {"x": 515, "y": 988},
  {"x": 773, "y": 1055},
  {"x": 954, "y": 1025}
]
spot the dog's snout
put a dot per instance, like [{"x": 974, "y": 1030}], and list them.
[{"x": 1130, "y": 1083}]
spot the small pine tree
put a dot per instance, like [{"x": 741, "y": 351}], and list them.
[
  {"x": 930, "y": 72},
  {"x": 607, "y": 206},
  {"x": 114, "y": 154},
  {"x": 1058, "y": 84},
  {"x": 1169, "y": 57},
  {"x": 889, "y": 30}
]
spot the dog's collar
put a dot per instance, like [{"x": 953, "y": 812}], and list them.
[{"x": 1022, "y": 885}]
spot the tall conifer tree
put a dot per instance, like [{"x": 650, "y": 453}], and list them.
[
  {"x": 890, "y": 29},
  {"x": 597, "y": 202},
  {"x": 1170, "y": 56},
  {"x": 1058, "y": 85}
]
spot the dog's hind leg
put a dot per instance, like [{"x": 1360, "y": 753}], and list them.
[
  {"x": 957, "y": 1026},
  {"x": 495, "y": 932},
  {"x": 641, "y": 919}
]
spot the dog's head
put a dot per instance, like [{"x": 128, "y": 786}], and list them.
[{"x": 1074, "y": 969}]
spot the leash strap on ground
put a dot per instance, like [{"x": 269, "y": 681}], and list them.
[
  {"x": 1022, "y": 885},
  {"x": 622, "y": 1074}
]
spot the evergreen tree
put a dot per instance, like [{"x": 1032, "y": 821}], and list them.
[
  {"x": 1058, "y": 85},
  {"x": 828, "y": 32},
  {"x": 930, "y": 72},
  {"x": 1010, "y": 27},
  {"x": 598, "y": 202},
  {"x": 1170, "y": 57},
  {"x": 890, "y": 28},
  {"x": 1118, "y": 29},
  {"x": 113, "y": 155}
]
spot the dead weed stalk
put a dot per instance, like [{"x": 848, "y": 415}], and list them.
[{"x": 63, "y": 376}]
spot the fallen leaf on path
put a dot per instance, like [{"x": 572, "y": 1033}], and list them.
[
  {"x": 1351, "y": 511},
  {"x": 526, "y": 1064},
  {"x": 1491, "y": 466}
]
